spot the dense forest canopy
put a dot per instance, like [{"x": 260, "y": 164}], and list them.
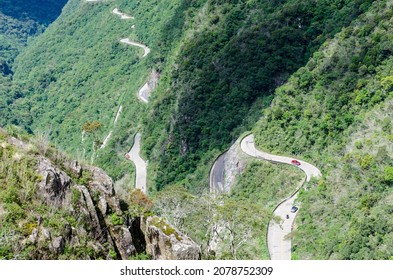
[{"x": 41, "y": 11}]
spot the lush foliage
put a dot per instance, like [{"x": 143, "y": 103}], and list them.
[
  {"x": 219, "y": 62},
  {"x": 238, "y": 52},
  {"x": 237, "y": 221},
  {"x": 69, "y": 78},
  {"x": 41, "y": 11},
  {"x": 323, "y": 114}
]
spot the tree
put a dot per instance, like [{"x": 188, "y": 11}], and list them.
[
  {"x": 175, "y": 204},
  {"x": 140, "y": 204},
  {"x": 92, "y": 129},
  {"x": 238, "y": 223}
]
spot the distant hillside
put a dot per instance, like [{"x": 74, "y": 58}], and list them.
[
  {"x": 20, "y": 20},
  {"x": 41, "y": 11}
]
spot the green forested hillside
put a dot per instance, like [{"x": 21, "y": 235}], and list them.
[
  {"x": 41, "y": 11},
  {"x": 238, "y": 52},
  {"x": 83, "y": 74},
  {"x": 316, "y": 74},
  {"x": 19, "y": 21},
  {"x": 219, "y": 62},
  {"x": 337, "y": 112}
]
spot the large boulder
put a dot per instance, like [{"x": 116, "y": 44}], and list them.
[
  {"x": 163, "y": 242},
  {"x": 54, "y": 183}
]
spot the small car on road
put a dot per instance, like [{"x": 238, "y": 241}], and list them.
[
  {"x": 295, "y": 162},
  {"x": 294, "y": 209}
]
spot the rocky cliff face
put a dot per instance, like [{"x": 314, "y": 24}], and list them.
[
  {"x": 73, "y": 213},
  {"x": 166, "y": 243},
  {"x": 93, "y": 200},
  {"x": 234, "y": 165}
]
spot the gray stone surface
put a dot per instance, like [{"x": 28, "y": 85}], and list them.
[
  {"x": 175, "y": 246},
  {"x": 55, "y": 183}
]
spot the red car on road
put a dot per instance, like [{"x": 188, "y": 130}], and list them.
[{"x": 295, "y": 162}]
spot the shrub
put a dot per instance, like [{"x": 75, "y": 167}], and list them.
[{"x": 116, "y": 219}]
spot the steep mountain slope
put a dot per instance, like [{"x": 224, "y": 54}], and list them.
[
  {"x": 79, "y": 71},
  {"x": 219, "y": 61},
  {"x": 19, "y": 21},
  {"x": 237, "y": 53},
  {"x": 336, "y": 111},
  {"x": 41, "y": 11}
]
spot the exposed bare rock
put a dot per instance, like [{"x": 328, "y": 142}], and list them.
[
  {"x": 234, "y": 165},
  {"x": 101, "y": 181},
  {"x": 58, "y": 245},
  {"x": 92, "y": 213},
  {"x": 123, "y": 240},
  {"x": 67, "y": 231},
  {"x": 54, "y": 183},
  {"x": 103, "y": 205},
  {"x": 74, "y": 167},
  {"x": 83, "y": 213},
  {"x": 17, "y": 143},
  {"x": 166, "y": 243},
  {"x": 46, "y": 234},
  {"x": 145, "y": 91},
  {"x": 33, "y": 237}
]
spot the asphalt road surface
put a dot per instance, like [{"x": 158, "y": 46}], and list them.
[
  {"x": 140, "y": 164},
  {"x": 217, "y": 175},
  {"x": 279, "y": 243},
  {"x": 116, "y": 11},
  {"x": 132, "y": 43}
]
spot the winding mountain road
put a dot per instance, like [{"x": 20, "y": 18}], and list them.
[
  {"x": 135, "y": 44},
  {"x": 116, "y": 11},
  {"x": 143, "y": 93},
  {"x": 140, "y": 164},
  {"x": 279, "y": 244},
  {"x": 133, "y": 154},
  {"x": 217, "y": 175}
]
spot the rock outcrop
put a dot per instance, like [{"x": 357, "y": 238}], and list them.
[
  {"x": 55, "y": 183},
  {"x": 234, "y": 165},
  {"x": 94, "y": 202},
  {"x": 75, "y": 213},
  {"x": 163, "y": 242}
]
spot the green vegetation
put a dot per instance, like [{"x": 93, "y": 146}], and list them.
[
  {"x": 241, "y": 218},
  {"x": 116, "y": 219},
  {"x": 336, "y": 112},
  {"x": 41, "y": 11},
  {"x": 237, "y": 53},
  {"x": 19, "y": 21},
  {"x": 219, "y": 63},
  {"x": 30, "y": 222},
  {"x": 66, "y": 79},
  {"x": 326, "y": 71}
]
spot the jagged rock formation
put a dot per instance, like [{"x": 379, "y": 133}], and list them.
[
  {"x": 73, "y": 212},
  {"x": 166, "y": 243},
  {"x": 97, "y": 204},
  {"x": 87, "y": 195}
]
